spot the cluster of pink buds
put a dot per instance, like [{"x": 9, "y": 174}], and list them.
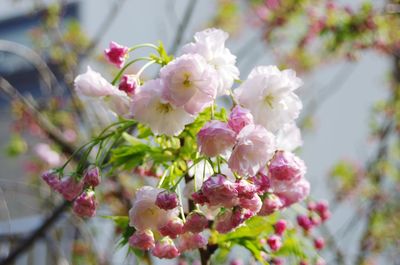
[{"x": 78, "y": 191}]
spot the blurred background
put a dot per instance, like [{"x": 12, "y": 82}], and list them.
[{"x": 347, "y": 53}]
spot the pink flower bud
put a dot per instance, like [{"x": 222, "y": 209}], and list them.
[
  {"x": 165, "y": 249},
  {"x": 52, "y": 179},
  {"x": 196, "y": 222},
  {"x": 274, "y": 242},
  {"x": 172, "y": 228},
  {"x": 240, "y": 215},
  {"x": 167, "y": 200},
  {"x": 262, "y": 183},
  {"x": 239, "y": 118},
  {"x": 280, "y": 227},
  {"x": 85, "y": 205},
  {"x": 293, "y": 193},
  {"x": 223, "y": 222},
  {"x": 287, "y": 167},
  {"x": 220, "y": 191},
  {"x": 128, "y": 83},
  {"x": 319, "y": 243},
  {"x": 143, "y": 240},
  {"x": 92, "y": 177},
  {"x": 116, "y": 54},
  {"x": 322, "y": 208},
  {"x": 304, "y": 222},
  {"x": 70, "y": 188},
  {"x": 270, "y": 205},
  {"x": 191, "y": 241},
  {"x": 199, "y": 198},
  {"x": 215, "y": 138},
  {"x": 253, "y": 204},
  {"x": 245, "y": 189}
]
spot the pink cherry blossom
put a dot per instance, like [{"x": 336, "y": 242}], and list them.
[
  {"x": 151, "y": 108},
  {"x": 172, "y": 228},
  {"x": 270, "y": 205},
  {"x": 220, "y": 191},
  {"x": 165, "y": 249},
  {"x": 215, "y": 138},
  {"x": 167, "y": 200},
  {"x": 245, "y": 188},
  {"x": 70, "y": 188},
  {"x": 239, "y": 118},
  {"x": 92, "y": 177},
  {"x": 254, "y": 147},
  {"x": 191, "y": 241},
  {"x": 85, "y": 205},
  {"x": 210, "y": 44},
  {"x": 293, "y": 193},
  {"x": 116, "y": 54},
  {"x": 93, "y": 84},
  {"x": 223, "y": 222},
  {"x": 143, "y": 240},
  {"x": 253, "y": 204},
  {"x": 196, "y": 222},
  {"x": 145, "y": 214},
  {"x": 286, "y": 167},
  {"x": 190, "y": 83}
]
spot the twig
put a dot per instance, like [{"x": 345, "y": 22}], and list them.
[
  {"x": 183, "y": 26},
  {"x": 52, "y": 132},
  {"x": 39, "y": 232}
]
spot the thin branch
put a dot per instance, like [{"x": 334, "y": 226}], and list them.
[
  {"x": 103, "y": 28},
  {"x": 183, "y": 26},
  {"x": 32, "y": 57},
  {"x": 38, "y": 233}
]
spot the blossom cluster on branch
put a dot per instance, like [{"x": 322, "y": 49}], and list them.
[{"x": 217, "y": 173}]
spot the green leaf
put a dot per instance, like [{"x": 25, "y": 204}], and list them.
[
  {"x": 120, "y": 221},
  {"x": 253, "y": 228}
]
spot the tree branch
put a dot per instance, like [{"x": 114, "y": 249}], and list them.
[{"x": 183, "y": 26}]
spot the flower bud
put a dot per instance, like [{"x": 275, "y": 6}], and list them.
[
  {"x": 304, "y": 222},
  {"x": 52, "y": 179},
  {"x": 239, "y": 118},
  {"x": 191, "y": 241},
  {"x": 274, "y": 242},
  {"x": 128, "y": 83},
  {"x": 319, "y": 243},
  {"x": 143, "y": 240},
  {"x": 172, "y": 228},
  {"x": 85, "y": 205},
  {"x": 280, "y": 227},
  {"x": 70, "y": 188},
  {"x": 92, "y": 177},
  {"x": 116, "y": 54},
  {"x": 215, "y": 138},
  {"x": 196, "y": 222},
  {"x": 167, "y": 200},
  {"x": 165, "y": 249},
  {"x": 270, "y": 205}
]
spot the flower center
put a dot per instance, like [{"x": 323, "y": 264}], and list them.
[
  {"x": 269, "y": 100},
  {"x": 186, "y": 82},
  {"x": 164, "y": 108}
]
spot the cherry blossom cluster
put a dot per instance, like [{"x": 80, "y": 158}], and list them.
[{"x": 254, "y": 170}]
